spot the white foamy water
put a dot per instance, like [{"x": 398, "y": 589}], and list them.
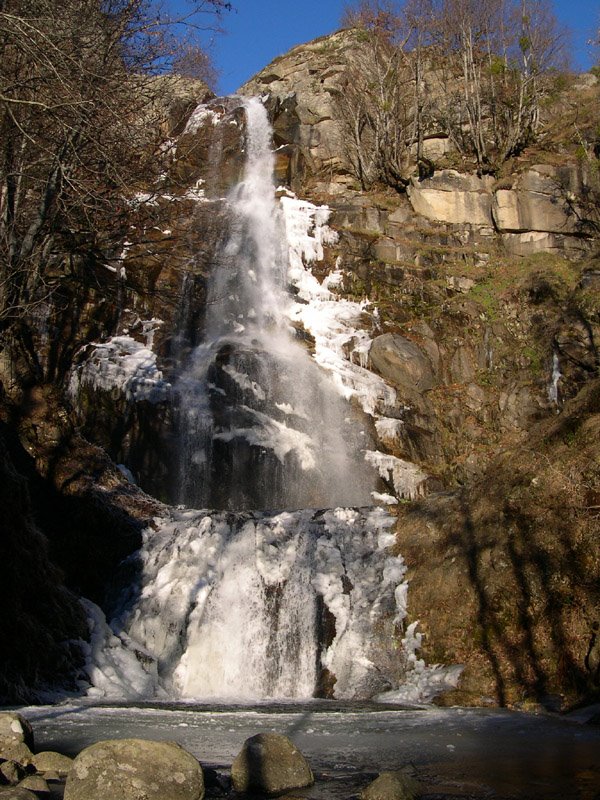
[{"x": 243, "y": 607}]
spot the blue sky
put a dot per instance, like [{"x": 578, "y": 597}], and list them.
[{"x": 260, "y": 30}]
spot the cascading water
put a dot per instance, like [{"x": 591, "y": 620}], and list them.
[
  {"x": 553, "y": 394},
  {"x": 244, "y": 603},
  {"x": 261, "y": 425},
  {"x": 250, "y": 606}
]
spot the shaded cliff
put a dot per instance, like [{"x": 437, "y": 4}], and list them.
[
  {"x": 43, "y": 620},
  {"x": 505, "y": 573}
]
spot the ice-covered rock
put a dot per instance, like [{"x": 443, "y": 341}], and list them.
[{"x": 123, "y": 364}]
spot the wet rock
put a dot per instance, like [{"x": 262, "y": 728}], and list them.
[
  {"x": 270, "y": 763},
  {"x": 130, "y": 769},
  {"x": 391, "y": 786},
  {"x": 15, "y": 728},
  {"x": 50, "y": 762}
]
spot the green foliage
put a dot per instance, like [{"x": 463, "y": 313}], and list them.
[
  {"x": 485, "y": 377},
  {"x": 524, "y": 44},
  {"x": 497, "y": 66},
  {"x": 328, "y": 46},
  {"x": 363, "y": 233},
  {"x": 535, "y": 358},
  {"x": 485, "y": 294},
  {"x": 551, "y": 275}
]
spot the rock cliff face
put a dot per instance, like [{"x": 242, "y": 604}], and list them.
[
  {"x": 504, "y": 573},
  {"x": 488, "y": 319},
  {"x": 43, "y": 619},
  {"x": 483, "y": 306},
  {"x": 301, "y": 88}
]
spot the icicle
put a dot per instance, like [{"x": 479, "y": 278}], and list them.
[{"x": 553, "y": 395}]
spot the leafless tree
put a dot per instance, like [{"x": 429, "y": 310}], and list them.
[
  {"x": 492, "y": 56},
  {"x": 380, "y": 102},
  {"x": 380, "y": 17},
  {"x": 477, "y": 70},
  {"x": 76, "y": 92}
]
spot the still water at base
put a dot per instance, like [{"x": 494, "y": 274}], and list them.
[{"x": 459, "y": 753}]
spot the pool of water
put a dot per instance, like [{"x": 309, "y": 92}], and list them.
[{"x": 459, "y": 753}]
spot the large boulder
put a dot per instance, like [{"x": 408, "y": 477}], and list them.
[
  {"x": 15, "y": 728},
  {"x": 391, "y": 786},
  {"x": 11, "y": 773},
  {"x": 35, "y": 783},
  {"x": 48, "y": 761},
  {"x": 135, "y": 769},
  {"x": 270, "y": 763},
  {"x": 15, "y": 751},
  {"x": 17, "y": 793},
  {"x": 449, "y": 196},
  {"x": 401, "y": 362},
  {"x": 541, "y": 199},
  {"x": 543, "y": 211}
]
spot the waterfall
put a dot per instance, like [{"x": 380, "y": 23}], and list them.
[
  {"x": 553, "y": 396},
  {"x": 261, "y": 426},
  {"x": 256, "y": 605},
  {"x": 245, "y": 602}
]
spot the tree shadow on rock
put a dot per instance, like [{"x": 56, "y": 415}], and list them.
[{"x": 513, "y": 566}]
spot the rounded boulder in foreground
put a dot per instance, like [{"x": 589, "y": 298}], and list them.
[
  {"x": 391, "y": 786},
  {"x": 270, "y": 763},
  {"x": 135, "y": 769},
  {"x": 49, "y": 761},
  {"x": 17, "y": 793},
  {"x": 15, "y": 728}
]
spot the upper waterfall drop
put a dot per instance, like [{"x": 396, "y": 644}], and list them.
[{"x": 261, "y": 425}]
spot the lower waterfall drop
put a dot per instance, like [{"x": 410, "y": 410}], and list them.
[{"x": 250, "y": 606}]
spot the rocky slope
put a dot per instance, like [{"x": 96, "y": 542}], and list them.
[
  {"x": 504, "y": 573},
  {"x": 484, "y": 313}
]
